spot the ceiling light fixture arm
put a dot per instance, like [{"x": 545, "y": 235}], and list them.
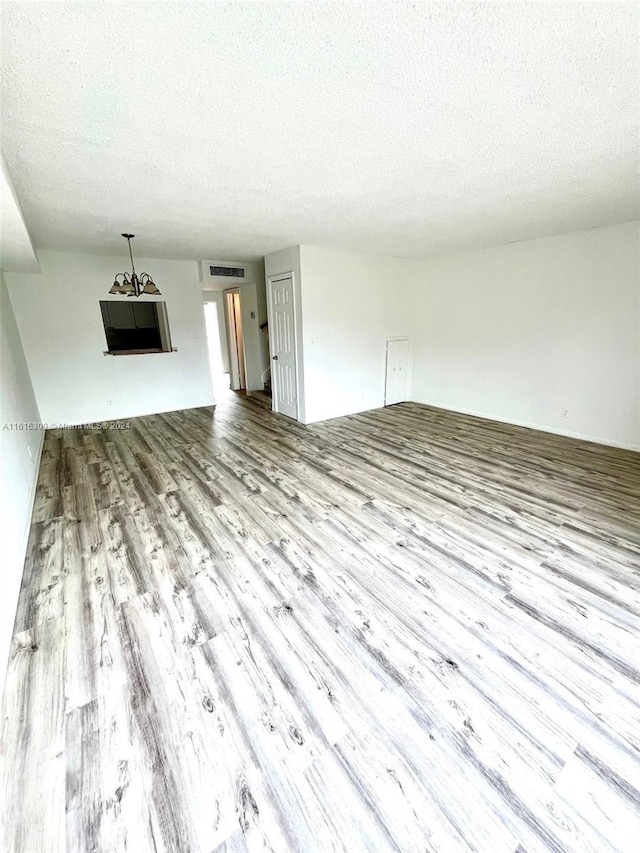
[{"x": 129, "y": 238}]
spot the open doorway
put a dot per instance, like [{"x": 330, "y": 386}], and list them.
[
  {"x": 219, "y": 375},
  {"x": 233, "y": 313}
]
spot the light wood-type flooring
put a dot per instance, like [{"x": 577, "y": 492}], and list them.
[{"x": 405, "y": 630}]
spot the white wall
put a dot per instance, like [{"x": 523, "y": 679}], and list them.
[
  {"x": 59, "y": 319},
  {"x": 251, "y": 337},
  {"x": 20, "y": 455},
  {"x": 261, "y": 293},
  {"x": 521, "y": 331},
  {"x": 16, "y": 249},
  {"x": 350, "y": 304}
]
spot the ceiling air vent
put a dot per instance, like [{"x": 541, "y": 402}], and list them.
[
  {"x": 226, "y": 272},
  {"x": 233, "y": 272}
]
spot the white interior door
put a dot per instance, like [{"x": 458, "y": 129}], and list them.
[
  {"x": 283, "y": 346},
  {"x": 397, "y": 372},
  {"x": 237, "y": 380}
]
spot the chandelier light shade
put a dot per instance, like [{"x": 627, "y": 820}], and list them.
[{"x": 130, "y": 284}]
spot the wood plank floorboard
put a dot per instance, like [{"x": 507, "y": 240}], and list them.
[{"x": 404, "y": 630}]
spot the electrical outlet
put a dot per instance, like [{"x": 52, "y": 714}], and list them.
[{"x": 564, "y": 413}]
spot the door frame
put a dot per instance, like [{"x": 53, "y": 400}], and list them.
[
  {"x": 271, "y": 280},
  {"x": 408, "y": 338}
]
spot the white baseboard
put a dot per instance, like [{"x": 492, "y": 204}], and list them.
[
  {"x": 554, "y": 430},
  {"x": 32, "y": 498}
]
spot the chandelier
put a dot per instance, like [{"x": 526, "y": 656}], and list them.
[{"x": 132, "y": 284}]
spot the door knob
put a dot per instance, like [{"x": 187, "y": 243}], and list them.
[{"x": 275, "y": 357}]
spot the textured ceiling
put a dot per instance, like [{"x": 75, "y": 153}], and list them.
[{"x": 234, "y": 129}]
